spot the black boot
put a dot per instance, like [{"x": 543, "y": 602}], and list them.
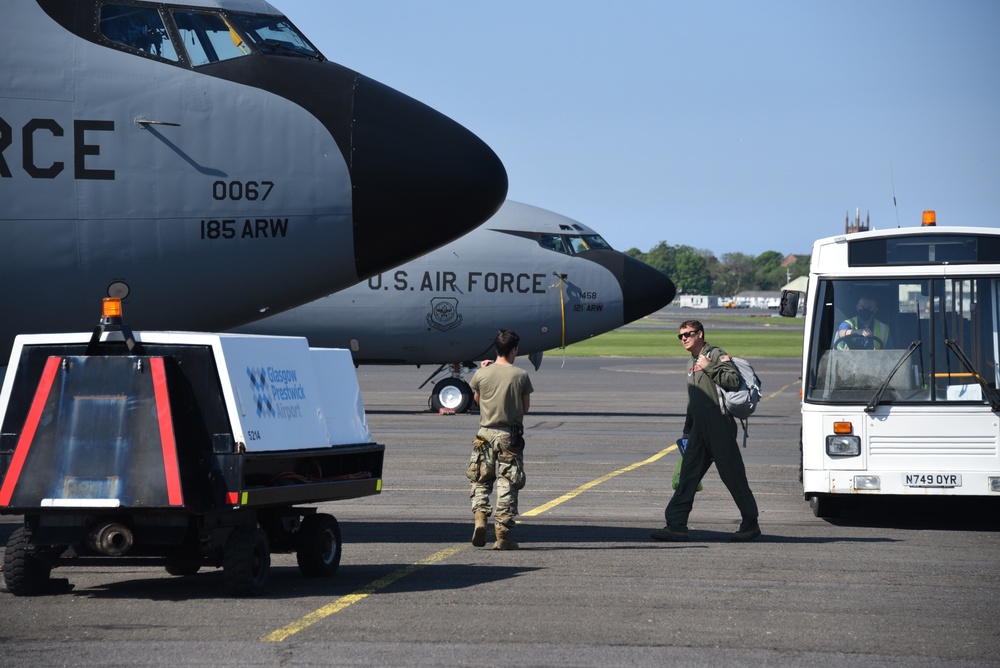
[
  {"x": 749, "y": 530},
  {"x": 669, "y": 533}
]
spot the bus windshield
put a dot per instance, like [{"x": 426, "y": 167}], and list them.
[{"x": 863, "y": 331}]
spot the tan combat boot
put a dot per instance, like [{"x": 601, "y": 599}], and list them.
[
  {"x": 503, "y": 538},
  {"x": 479, "y": 533}
]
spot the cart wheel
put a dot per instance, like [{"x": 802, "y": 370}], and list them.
[
  {"x": 318, "y": 545},
  {"x": 24, "y": 572},
  {"x": 246, "y": 561}
]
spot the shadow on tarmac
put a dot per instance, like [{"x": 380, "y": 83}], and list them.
[
  {"x": 541, "y": 536},
  {"x": 930, "y": 513},
  {"x": 285, "y": 582}
]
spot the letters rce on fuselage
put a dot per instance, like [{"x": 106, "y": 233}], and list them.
[
  {"x": 38, "y": 130},
  {"x": 46, "y": 132}
]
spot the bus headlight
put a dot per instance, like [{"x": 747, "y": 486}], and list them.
[
  {"x": 843, "y": 445},
  {"x": 867, "y": 482},
  {"x": 994, "y": 482}
]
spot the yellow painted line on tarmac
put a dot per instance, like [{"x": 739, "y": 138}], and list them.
[
  {"x": 594, "y": 483},
  {"x": 361, "y": 594},
  {"x": 345, "y": 601},
  {"x": 774, "y": 394},
  {"x": 287, "y": 632}
]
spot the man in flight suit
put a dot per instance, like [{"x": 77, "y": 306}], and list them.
[
  {"x": 503, "y": 392},
  {"x": 711, "y": 434}
]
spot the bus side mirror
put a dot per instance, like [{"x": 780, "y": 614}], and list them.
[{"x": 789, "y": 303}]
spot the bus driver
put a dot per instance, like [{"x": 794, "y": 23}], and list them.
[{"x": 863, "y": 331}]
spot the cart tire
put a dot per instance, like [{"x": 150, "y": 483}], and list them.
[
  {"x": 451, "y": 394},
  {"x": 24, "y": 573},
  {"x": 246, "y": 561},
  {"x": 318, "y": 546},
  {"x": 824, "y": 506}
]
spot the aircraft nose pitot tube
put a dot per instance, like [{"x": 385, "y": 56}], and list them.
[{"x": 410, "y": 162}]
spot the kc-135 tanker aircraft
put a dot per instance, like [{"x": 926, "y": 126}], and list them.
[
  {"x": 204, "y": 161},
  {"x": 550, "y": 278}
]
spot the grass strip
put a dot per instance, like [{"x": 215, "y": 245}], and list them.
[{"x": 664, "y": 343}]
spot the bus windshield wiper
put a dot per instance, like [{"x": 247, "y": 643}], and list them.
[
  {"x": 991, "y": 394},
  {"x": 870, "y": 408}
]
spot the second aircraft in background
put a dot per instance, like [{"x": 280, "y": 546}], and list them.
[{"x": 550, "y": 278}]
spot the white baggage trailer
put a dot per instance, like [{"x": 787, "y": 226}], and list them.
[{"x": 181, "y": 449}]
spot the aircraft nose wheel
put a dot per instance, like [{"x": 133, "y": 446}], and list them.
[{"x": 453, "y": 394}]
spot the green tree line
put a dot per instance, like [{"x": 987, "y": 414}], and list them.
[{"x": 697, "y": 271}]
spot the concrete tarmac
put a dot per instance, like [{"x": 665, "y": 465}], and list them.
[{"x": 888, "y": 584}]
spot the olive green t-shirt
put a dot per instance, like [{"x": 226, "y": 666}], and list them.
[{"x": 501, "y": 388}]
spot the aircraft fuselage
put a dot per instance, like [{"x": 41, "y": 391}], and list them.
[
  {"x": 548, "y": 277},
  {"x": 187, "y": 158}
]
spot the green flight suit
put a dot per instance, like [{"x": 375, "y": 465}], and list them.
[{"x": 711, "y": 438}]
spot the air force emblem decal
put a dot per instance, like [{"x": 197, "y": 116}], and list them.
[{"x": 444, "y": 314}]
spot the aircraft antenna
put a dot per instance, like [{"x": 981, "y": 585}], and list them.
[
  {"x": 562, "y": 309},
  {"x": 892, "y": 180}
]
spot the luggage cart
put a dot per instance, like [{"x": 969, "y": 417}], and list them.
[{"x": 185, "y": 450}]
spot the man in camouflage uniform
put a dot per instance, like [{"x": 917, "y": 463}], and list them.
[
  {"x": 502, "y": 391},
  {"x": 711, "y": 434}
]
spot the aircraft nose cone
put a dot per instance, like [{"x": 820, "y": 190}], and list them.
[
  {"x": 644, "y": 289},
  {"x": 412, "y": 163}
]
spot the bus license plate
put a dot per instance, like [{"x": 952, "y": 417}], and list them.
[{"x": 933, "y": 479}]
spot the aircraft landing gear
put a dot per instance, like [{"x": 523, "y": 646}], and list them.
[{"x": 452, "y": 394}]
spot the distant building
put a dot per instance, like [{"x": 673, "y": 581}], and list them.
[
  {"x": 789, "y": 260},
  {"x": 759, "y": 298},
  {"x": 857, "y": 226},
  {"x": 699, "y": 301}
]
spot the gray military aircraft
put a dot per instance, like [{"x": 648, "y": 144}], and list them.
[
  {"x": 550, "y": 278},
  {"x": 203, "y": 160}
]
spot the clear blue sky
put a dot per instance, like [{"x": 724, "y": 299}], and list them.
[{"x": 732, "y": 126}]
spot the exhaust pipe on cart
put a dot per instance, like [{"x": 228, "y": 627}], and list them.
[{"x": 113, "y": 539}]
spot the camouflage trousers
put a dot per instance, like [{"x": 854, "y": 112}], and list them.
[{"x": 497, "y": 456}]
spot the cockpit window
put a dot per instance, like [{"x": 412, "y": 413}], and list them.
[
  {"x": 586, "y": 242},
  {"x": 139, "y": 28},
  {"x": 208, "y": 38},
  {"x": 595, "y": 241},
  {"x": 553, "y": 242},
  {"x": 572, "y": 244},
  {"x": 274, "y": 34}
]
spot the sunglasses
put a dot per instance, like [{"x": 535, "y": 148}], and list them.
[{"x": 684, "y": 335}]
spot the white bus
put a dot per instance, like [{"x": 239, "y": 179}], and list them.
[{"x": 907, "y": 405}]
